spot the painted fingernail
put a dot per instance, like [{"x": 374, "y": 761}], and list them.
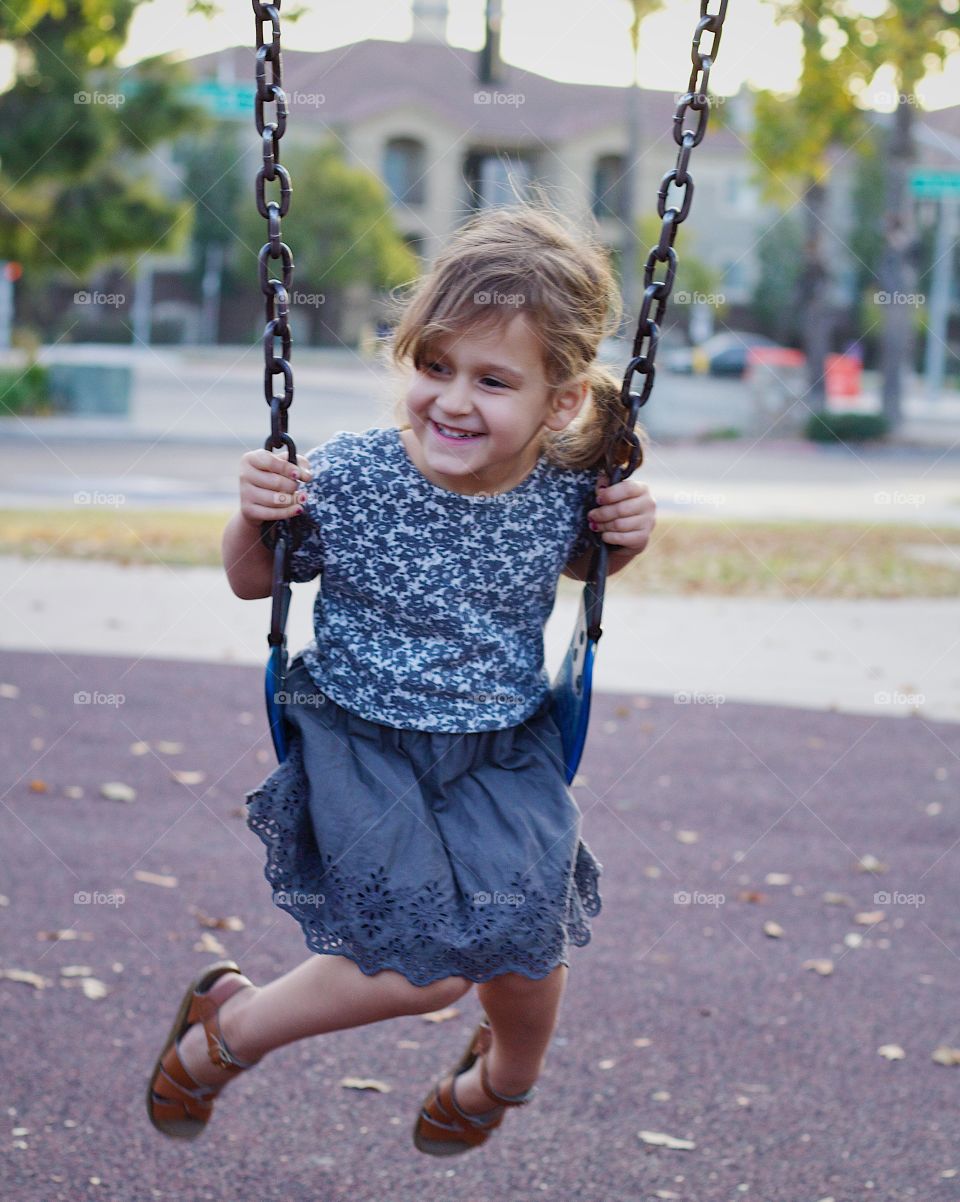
[{"x": 593, "y": 524}]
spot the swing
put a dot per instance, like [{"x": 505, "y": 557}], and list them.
[{"x": 572, "y": 686}]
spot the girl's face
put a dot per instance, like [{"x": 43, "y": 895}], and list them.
[{"x": 478, "y": 405}]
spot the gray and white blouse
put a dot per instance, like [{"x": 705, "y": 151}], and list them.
[{"x": 432, "y": 603}]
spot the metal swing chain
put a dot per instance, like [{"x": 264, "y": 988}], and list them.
[
  {"x": 656, "y": 293},
  {"x": 284, "y": 535}
]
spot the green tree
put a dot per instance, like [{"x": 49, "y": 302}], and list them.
[
  {"x": 74, "y": 131},
  {"x": 904, "y": 41},
  {"x": 339, "y": 228},
  {"x": 796, "y": 140}
]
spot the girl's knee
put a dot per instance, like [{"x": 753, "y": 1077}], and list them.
[{"x": 421, "y": 999}]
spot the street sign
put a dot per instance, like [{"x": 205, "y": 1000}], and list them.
[
  {"x": 223, "y": 99},
  {"x": 930, "y": 183}
]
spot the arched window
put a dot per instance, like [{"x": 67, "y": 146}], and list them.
[
  {"x": 404, "y": 170},
  {"x": 608, "y": 185}
]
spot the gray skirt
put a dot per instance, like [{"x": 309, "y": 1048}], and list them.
[{"x": 429, "y": 853}]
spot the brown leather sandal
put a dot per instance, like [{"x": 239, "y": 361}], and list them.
[
  {"x": 442, "y": 1128},
  {"x": 177, "y": 1104}
]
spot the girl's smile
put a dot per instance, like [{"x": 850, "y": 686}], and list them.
[{"x": 478, "y": 405}]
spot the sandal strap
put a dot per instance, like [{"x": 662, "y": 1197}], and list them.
[
  {"x": 204, "y": 1009},
  {"x": 503, "y": 1099}
]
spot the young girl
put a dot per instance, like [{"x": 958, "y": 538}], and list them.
[{"x": 421, "y": 830}]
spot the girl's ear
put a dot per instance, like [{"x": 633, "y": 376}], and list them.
[{"x": 567, "y": 401}]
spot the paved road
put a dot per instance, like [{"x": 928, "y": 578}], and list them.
[{"x": 771, "y": 1069}]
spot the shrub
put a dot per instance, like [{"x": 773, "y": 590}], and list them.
[
  {"x": 845, "y": 427},
  {"x": 24, "y": 391}
]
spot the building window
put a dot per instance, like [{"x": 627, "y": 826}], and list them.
[
  {"x": 404, "y": 170},
  {"x": 496, "y": 179},
  {"x": 608, "y": 186}
]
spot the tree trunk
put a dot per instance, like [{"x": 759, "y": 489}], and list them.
[
  {"x": 814, "y": 296},
  {"x": 897, "y": 266}
]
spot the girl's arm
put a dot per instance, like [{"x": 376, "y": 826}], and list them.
[
  {"x": 248, "y": 563},
  {"x": 268, "y": 492}
]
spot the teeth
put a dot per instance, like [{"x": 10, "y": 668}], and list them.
[{"x": 454, "y": 433}]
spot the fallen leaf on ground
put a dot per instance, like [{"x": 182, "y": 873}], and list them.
[
  {"x": 892, "y": 1051},
  {"x": 140, "y": 748},
  {"x": 74, "y": 792},
  {"x": 184, "y": 777},
  {"x": 946, "y": 1055},
  {"x": 9, "y": 690},
  {"x": 209, "y": 943},
  {"x": 837, "y": 899},
  {"x": 89, "y": 986},
  {"x": 24, "y": 977},
  {"x": 76, "y": 970},
  {"x": 642, "y": 1043},
  {"x": 869, "y": 917},
  {"x": 167, "y": 748},
  {"x": 933, "y": 808},
  {"x": 778, "y": 878},
  {"x": 606, "y": 1064},
  {"x": 38, "y": 786},
  {"x": 773, "y": 929},
  {"x": 823, "y": 967},
  {"x": 853, "y": 939},
  {"x": 440, "y": 1016},
  {"x": 751, "y": 895},
  {"x": 870, "y": 863},
  {"x": 116, "y": 790},
  {"x": 666, "y": 1141},
  {"x": 365, "y": 1083},
  {"x": 156, "y": 878},
  {"x": 407, "y": 1043},
  {"x": 218, "y": 924},
  {"x": 687, "y": 836},
  {"x": 64, "y": 935}
]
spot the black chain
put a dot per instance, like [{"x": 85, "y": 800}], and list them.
[
  {"x": 284, "y": 535},
  {"x": 656, "y": 293}
]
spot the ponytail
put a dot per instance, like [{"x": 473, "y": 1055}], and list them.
[{"x": 600, "y": 429}]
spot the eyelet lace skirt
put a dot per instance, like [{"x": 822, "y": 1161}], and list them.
[{"x": 429, "y": 853}]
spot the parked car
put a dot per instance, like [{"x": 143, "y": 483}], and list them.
[{"x": 722, "y": 355}]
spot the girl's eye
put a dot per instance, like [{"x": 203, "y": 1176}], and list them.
[{"x": 491, "y": 380}]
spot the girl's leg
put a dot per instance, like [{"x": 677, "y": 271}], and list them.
[
  {"x": 523, "y": 1015},
  {"x": 324, "y": 993}
]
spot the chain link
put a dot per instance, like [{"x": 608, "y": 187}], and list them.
[
  {"x": 284, "y": 535},
  {"x": 656, "y": 292}
]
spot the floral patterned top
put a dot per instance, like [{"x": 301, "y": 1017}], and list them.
[{"x": 432, "y": 603}]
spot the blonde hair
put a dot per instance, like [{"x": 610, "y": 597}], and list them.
[{"x": 524, "y": 257}]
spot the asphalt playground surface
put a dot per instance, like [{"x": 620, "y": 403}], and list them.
[{"x": 770, "y": 1069}]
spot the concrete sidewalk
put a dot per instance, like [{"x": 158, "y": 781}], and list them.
[{"x": 879, "y": 658}]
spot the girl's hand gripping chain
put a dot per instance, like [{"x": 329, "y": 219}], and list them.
[
  {"x": 625, "y": 516},
  {"x": 270, "y": 485}
]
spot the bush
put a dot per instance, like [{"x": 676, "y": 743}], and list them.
[
  {"x": 24, "y": 391},
  {"x": 845, "y": 427}
]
